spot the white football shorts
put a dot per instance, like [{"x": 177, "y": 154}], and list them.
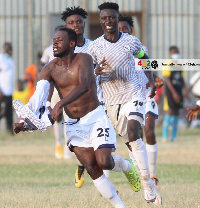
[
  {"x": 93, "y": 130},
  {"x": 119, "y": 114},
  {"x": 151, "y": 106}
]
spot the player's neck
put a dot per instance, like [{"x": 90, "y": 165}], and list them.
[
  {"x": 80, "y": 40},
  {"x": 67, "y": 58},
  {"x": 112, "y": 37}
]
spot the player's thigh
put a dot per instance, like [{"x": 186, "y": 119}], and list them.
[{"x": 86, "y": 156}]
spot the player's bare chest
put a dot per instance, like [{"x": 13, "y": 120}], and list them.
[{"x": 65, "y": 76}]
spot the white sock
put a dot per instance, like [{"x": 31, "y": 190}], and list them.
[
  {"x": 121, "y": 164},
  {"x": 152, "y": 151},
  {"x": 134, "y": 161},
  {"x": 58, "y": 132},
  {"x": 140, "y": 154},
  {"x": 106, "y": 173},
  {"x": 107, "y": 190}
]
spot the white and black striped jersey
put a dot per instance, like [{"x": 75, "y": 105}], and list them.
[
  {"x": 78, "y": 49},
  {"x": 122, "y": 84},
  {"x": 83, "y": 48}
]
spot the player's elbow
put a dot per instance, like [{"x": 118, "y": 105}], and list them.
[{"x": 85, "y": 87}]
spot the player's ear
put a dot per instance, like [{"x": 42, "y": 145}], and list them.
[{"x": 72, "y": 44}]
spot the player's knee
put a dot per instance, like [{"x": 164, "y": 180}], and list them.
[
  {"x": 133, "y": 136},
  {"x": 91, "y": 169},
  {"x": 150, "y": 134},
  {"x": 105, "y": 163}
]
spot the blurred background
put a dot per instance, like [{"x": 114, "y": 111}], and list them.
[{"x": 29, "y": 25}]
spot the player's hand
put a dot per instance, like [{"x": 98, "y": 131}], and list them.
[
  {"x": 153, "y": 88},
  {"x": 100, "y": 69},
  {"x": 56, "y": 111},
  {"x": 193, "y": 112},
  {"x": 176, "y": 98},
  {"x": 17, "y": 127},
  {"x": 158, "y": 82}
]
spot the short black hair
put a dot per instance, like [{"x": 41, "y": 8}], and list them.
[
  {"x": 127, "y": 19},
  {"x": 109, "y": 5},
  {"x": 8, "y": 44},
  {"x": 71, "y": 33},
  {"x": 72, "y": 11},
  {"x": 173, "y": 48}
]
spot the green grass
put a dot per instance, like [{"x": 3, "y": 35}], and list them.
[{"x": 30, "y": 176}]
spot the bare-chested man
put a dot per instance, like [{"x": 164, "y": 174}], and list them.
[{"x": 90, "y": 133}]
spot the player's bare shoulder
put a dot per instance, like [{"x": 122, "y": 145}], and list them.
[
  {"x": 84, "y": 58},
  {"x": 47, "y": 69}
]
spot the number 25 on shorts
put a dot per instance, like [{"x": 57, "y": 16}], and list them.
[{"x": 103, "y": 132}]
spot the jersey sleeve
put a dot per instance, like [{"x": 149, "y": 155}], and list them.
[
  {"x": 91, "y": 51},
  {"x": 137, "y": 48},
  {"x": 145, "y": 50},
  {"x": 46, "y": 55},
  {"x": 194, "y": 78}
]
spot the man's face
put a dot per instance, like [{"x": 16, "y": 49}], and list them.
[
  {"x": 109, "y": 20},
  {"x": 124, "y": 27},
  {"x": 174, "y": 51},
  {"x": 76, "y": 23},
  {"x": 8, "y": 48},
  {"x": 61, "y": 44}
]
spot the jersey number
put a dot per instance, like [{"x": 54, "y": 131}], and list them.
[{"x": 102, "y": 133}]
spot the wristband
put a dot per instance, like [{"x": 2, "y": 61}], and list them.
[
  {"x": 48, "y": 104},
  {"x": 198, "y": 103}
]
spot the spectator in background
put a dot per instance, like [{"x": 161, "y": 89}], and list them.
[
  {"x": 6, "y": 85},
  {"x": 21, "y": 93},
  {"x": 173, "y": 101},
  {"x": 31, "y": 73}
]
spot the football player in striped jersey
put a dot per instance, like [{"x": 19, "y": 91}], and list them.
[{"x": 122, "y": 90}]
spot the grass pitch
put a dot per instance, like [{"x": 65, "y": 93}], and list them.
[{"x": 31, "y": 177}]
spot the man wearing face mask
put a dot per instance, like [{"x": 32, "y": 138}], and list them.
[{"x": 173, "y": 102}]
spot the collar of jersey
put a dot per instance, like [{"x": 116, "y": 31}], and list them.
[
  {"x": 120, "y": 34},
  {"x": 81, "y": 45}
]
